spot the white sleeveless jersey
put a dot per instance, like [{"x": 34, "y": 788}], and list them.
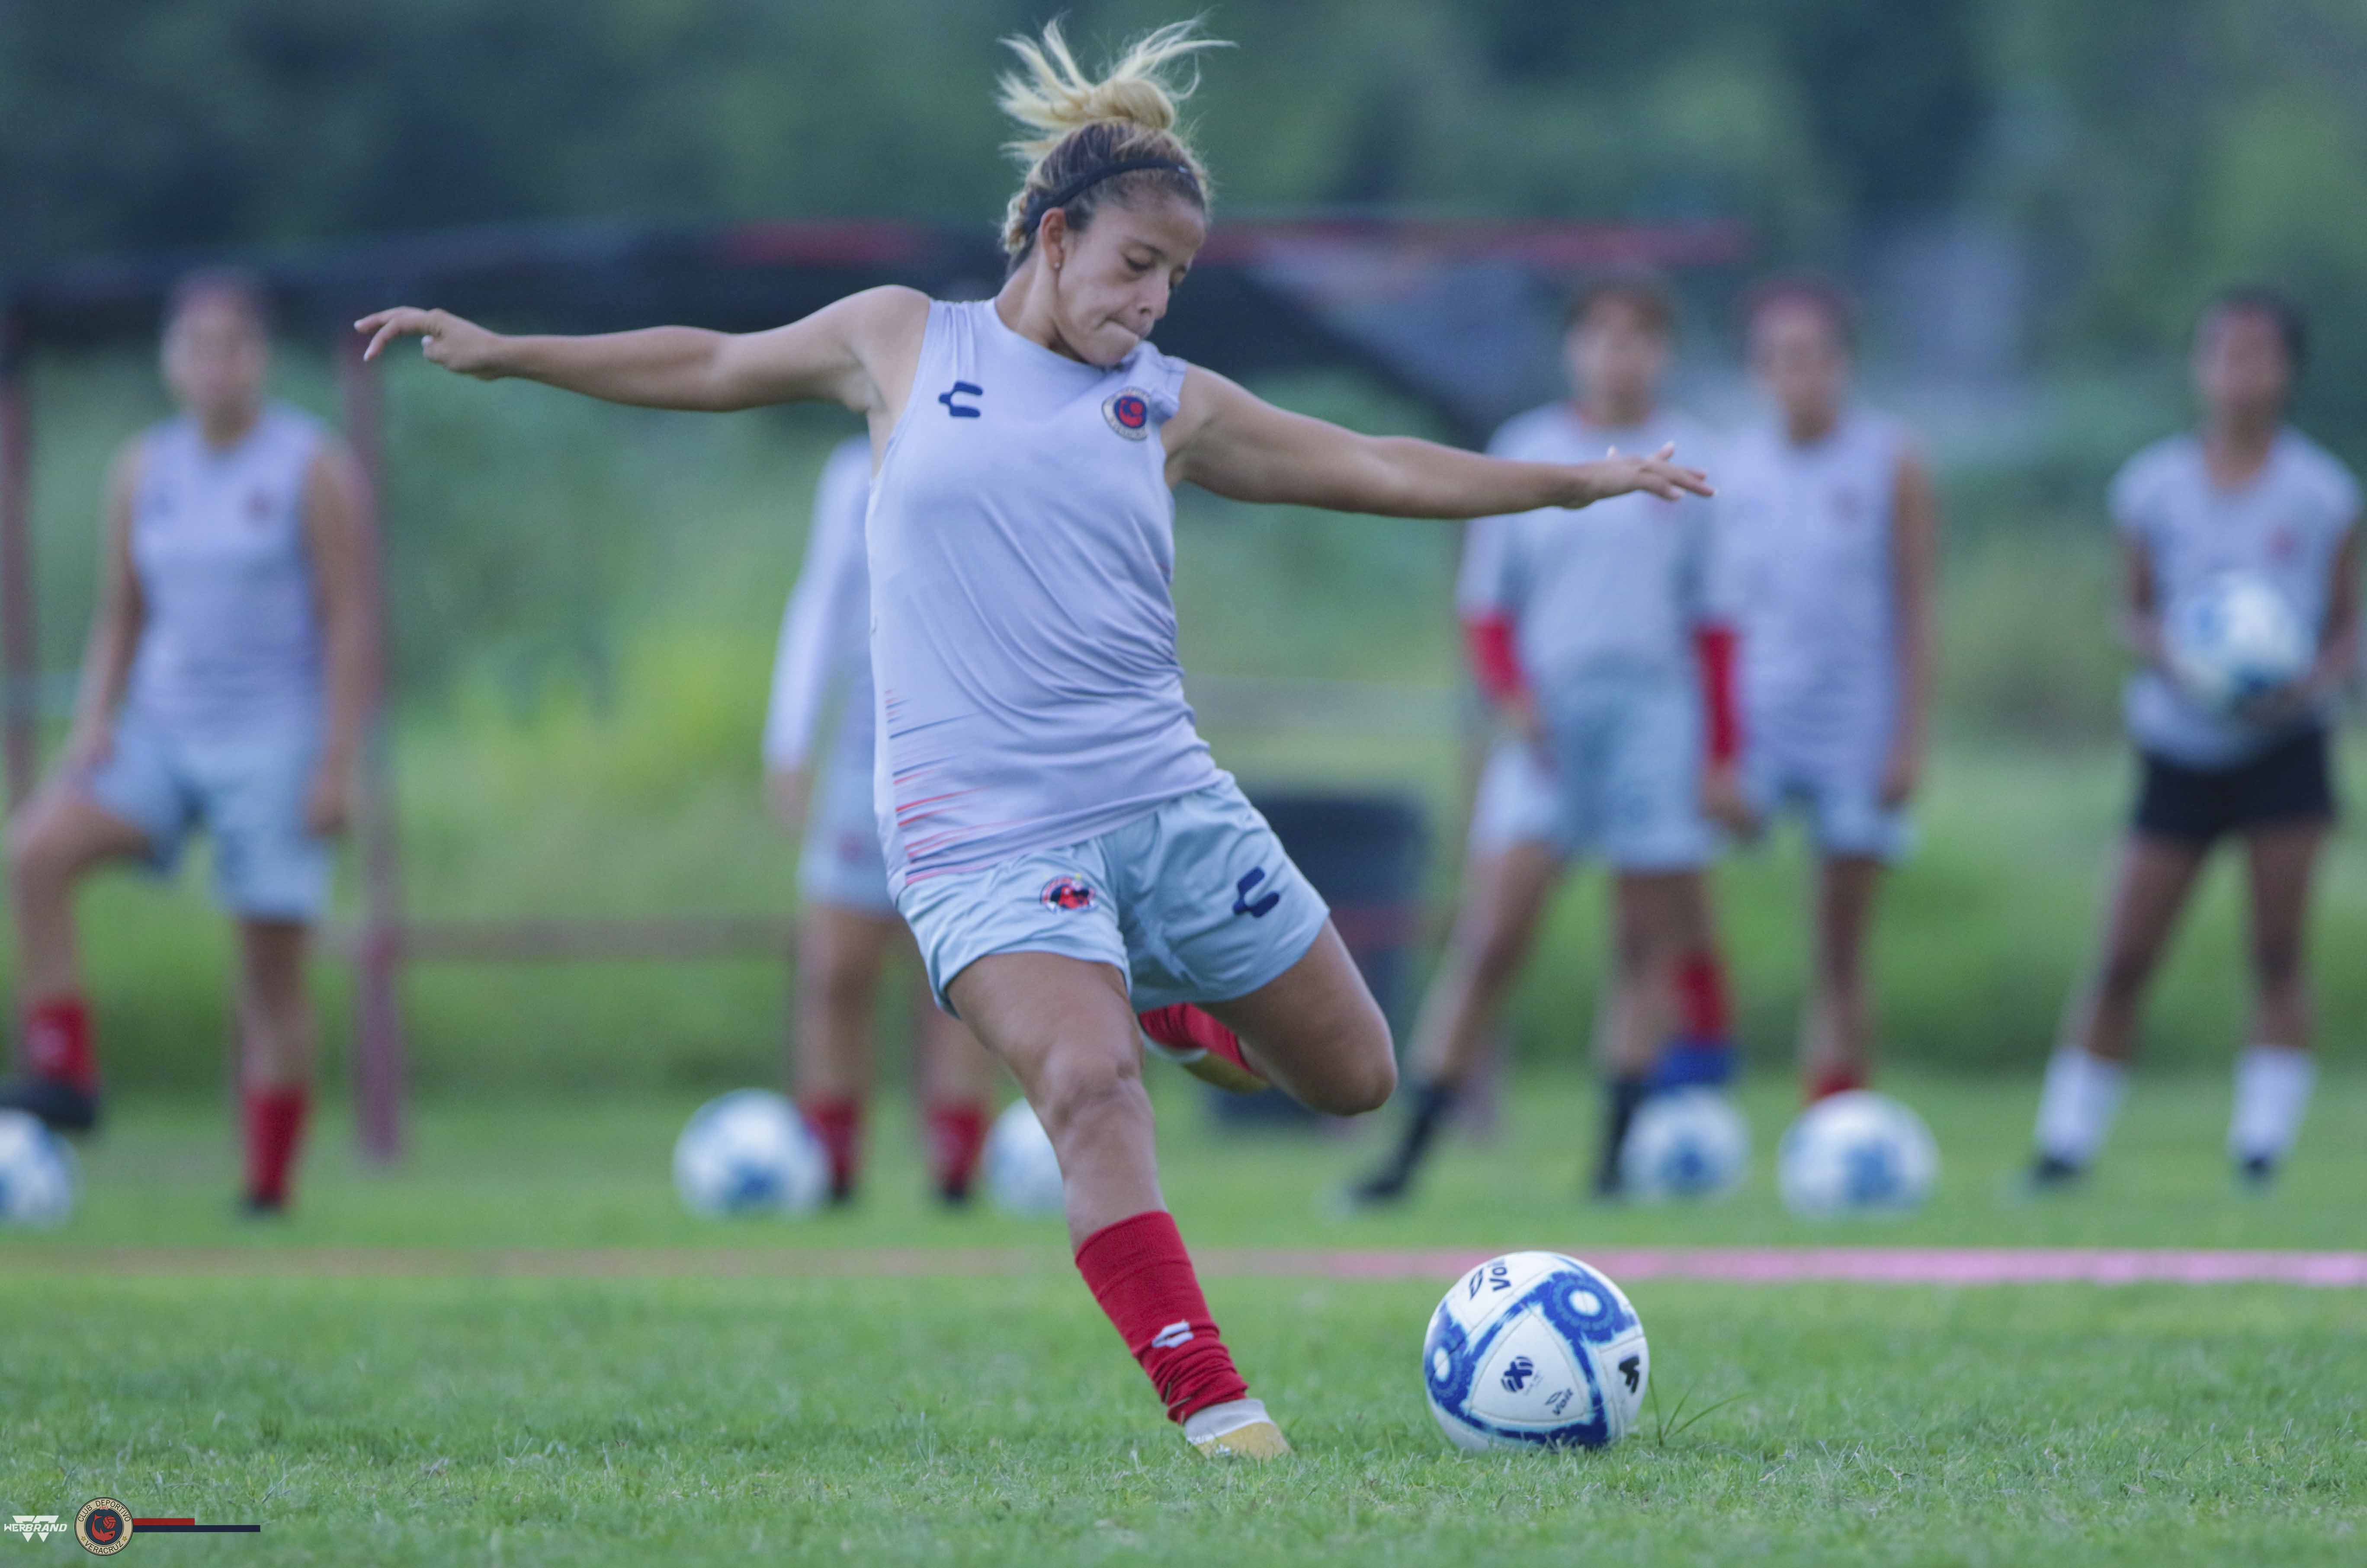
[
  {"x": 2286, "y": 526},
  {"x": 1618, "y": 585},
  {"x": 825, "y": 647},
  {"x": 1809, "y": 549},
  {"x": 231, "y": 639},
  {"x": 1023, "y": 630}
]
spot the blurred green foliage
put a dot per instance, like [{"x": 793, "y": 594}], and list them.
[{"x": 2148, "y": 148}]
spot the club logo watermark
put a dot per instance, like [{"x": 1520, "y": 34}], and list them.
[{"x": 103, "y": 1527}]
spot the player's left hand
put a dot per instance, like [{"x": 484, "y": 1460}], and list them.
[
  {"x": 2279, "y": 705},
  {"x": 1901, "y": 776},
  {"x": 328, "y": 805},
  {"x": 1660, "y": 474}
]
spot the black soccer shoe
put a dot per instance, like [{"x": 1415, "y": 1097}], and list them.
[
  {"x": 255, "y": 1206},
  {"x": 1384, "y": 1188},
  {"x": 61, "y": 1106},
  {"x": 2050, "y": 1173},
  {"x": 2256, "y": 1174}
]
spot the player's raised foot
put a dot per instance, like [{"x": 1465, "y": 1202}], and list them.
[
  {"x": 1239, "y": 1429},
  {"x": 2050, "y": 1173},
  {"x": 61, "y": 1106},
  {"x": 2256, "y": 1174},
  {"x": 1200, "y": 1045}
]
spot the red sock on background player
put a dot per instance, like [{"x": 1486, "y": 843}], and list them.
[
  {"x": 956, "y": 1135},
  {"x": 57, "y": 1044},
  {"x": 837, "y": 1122},
  {"x": 275, "y": 1135}
]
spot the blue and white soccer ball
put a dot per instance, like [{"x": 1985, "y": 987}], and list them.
[
  {"x": 2233, "y": 639},
  {"x": 1534, "y": 1350},
  {"x": 1022, "y": 1174},
  {"x": 37, "y": 1172},
  {"x": 1689, "y": 1143},
  {"x": 749, "y": 1152},
  {"x": 1859, "y": 1153}
]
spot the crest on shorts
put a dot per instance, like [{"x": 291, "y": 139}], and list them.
[
  {"x": 1128, "y": 413},
  {"x": 1066, "y": 893}
]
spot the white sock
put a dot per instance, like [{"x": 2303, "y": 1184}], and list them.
[
  {"x": 2076, "y": 1108},
  {"x": 2272, "y": 1085},
  {"x": 1219, "y": 1419}
]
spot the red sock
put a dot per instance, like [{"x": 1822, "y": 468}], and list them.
[
  {"x": 57, "y": 1044},
  {"x": 1187, "y": 1027},
  {"x": 956, "y": 1133},
  {"x": 1139, "y": 1272},
  {"x": 839, "y": 1124},
  {"x": 1703, "y": 1009},
  {"x": 274, "y": 1130},
  {"x": 1832, "y": 1081}
]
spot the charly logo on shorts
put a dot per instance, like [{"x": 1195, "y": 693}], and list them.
[
  {"x": 1128, "y": 413},
  {"x": 1066, "y": 893}
]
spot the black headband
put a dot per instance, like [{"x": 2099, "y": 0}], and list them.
[{"x": 1045, "y": 202}]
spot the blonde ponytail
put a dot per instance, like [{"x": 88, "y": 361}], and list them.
[{"x": 1075, "y": 125}]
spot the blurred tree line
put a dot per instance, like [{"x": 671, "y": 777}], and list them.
[{"x": 2147, "y": 147}]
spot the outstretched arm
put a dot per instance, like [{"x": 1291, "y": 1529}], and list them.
[
  {"x": 1915, "y": 566},
  {"x": 858, "y": 351},
  {"x": 1227, "y": 440},
  {"x": 115, "y": 630}
]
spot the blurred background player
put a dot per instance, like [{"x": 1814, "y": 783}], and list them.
[
  {"x": 847, "y": 922},
  {"x": 1593, "y": 634},
  {"x": 2247, "y": 492},
  {"x": 1831, "y": 526},
  {"x": 227, "y": 684},
  {"x": 1076, "y": 869}
]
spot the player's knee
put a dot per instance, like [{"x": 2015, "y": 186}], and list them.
[
  {"x": 1364, "y": 1069},
  {"x": 2277, "y": 966},
  {"x": 2125, "y": 972},
  {"x": 1494, "y": 951},
  {"x": 1080, "y": 1090},
  {"x": 34, "y": 852}
]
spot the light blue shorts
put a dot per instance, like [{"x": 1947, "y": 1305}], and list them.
[
  {"x": 840, "y": 863},
  {"x": 1840, "y": 795},
  {"x": 1621, "y": 779},
  {"x": 248, "y": 790},
  {"x": 1193, "y": 901}
]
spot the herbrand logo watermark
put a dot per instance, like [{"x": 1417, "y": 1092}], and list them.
[{"x": 38, "y": 1527}]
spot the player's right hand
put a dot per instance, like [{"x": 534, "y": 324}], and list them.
[
  {"x": 787, "y": 790},
  {"x": 1725, "y": 801},
  {"x": 458, "y": 345}
]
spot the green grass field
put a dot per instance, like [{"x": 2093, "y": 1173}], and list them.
[{"x": 461, "y": 1378}]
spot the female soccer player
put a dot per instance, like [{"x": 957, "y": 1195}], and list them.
[
  {"x": 1056, "y": 837},
  {"x": 1589, "y": 632},
  {"x": 227, "y": 684},
  {"x": 2249, "y": 493},
  {"x": 847, "y": 924},
  {"x": 1831, "y": 527}
]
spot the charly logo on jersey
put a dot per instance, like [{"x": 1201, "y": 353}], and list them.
[
  {"x": 1128, "y": 413},
  {"x": 1066, "y": 893}
]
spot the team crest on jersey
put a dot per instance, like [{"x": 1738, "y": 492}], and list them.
[
  {"x": 1066, "y": 893},
  {"x": 1128, "y": 413}
]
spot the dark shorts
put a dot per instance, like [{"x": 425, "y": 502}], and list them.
[{"x": 2291, "y": 782}]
